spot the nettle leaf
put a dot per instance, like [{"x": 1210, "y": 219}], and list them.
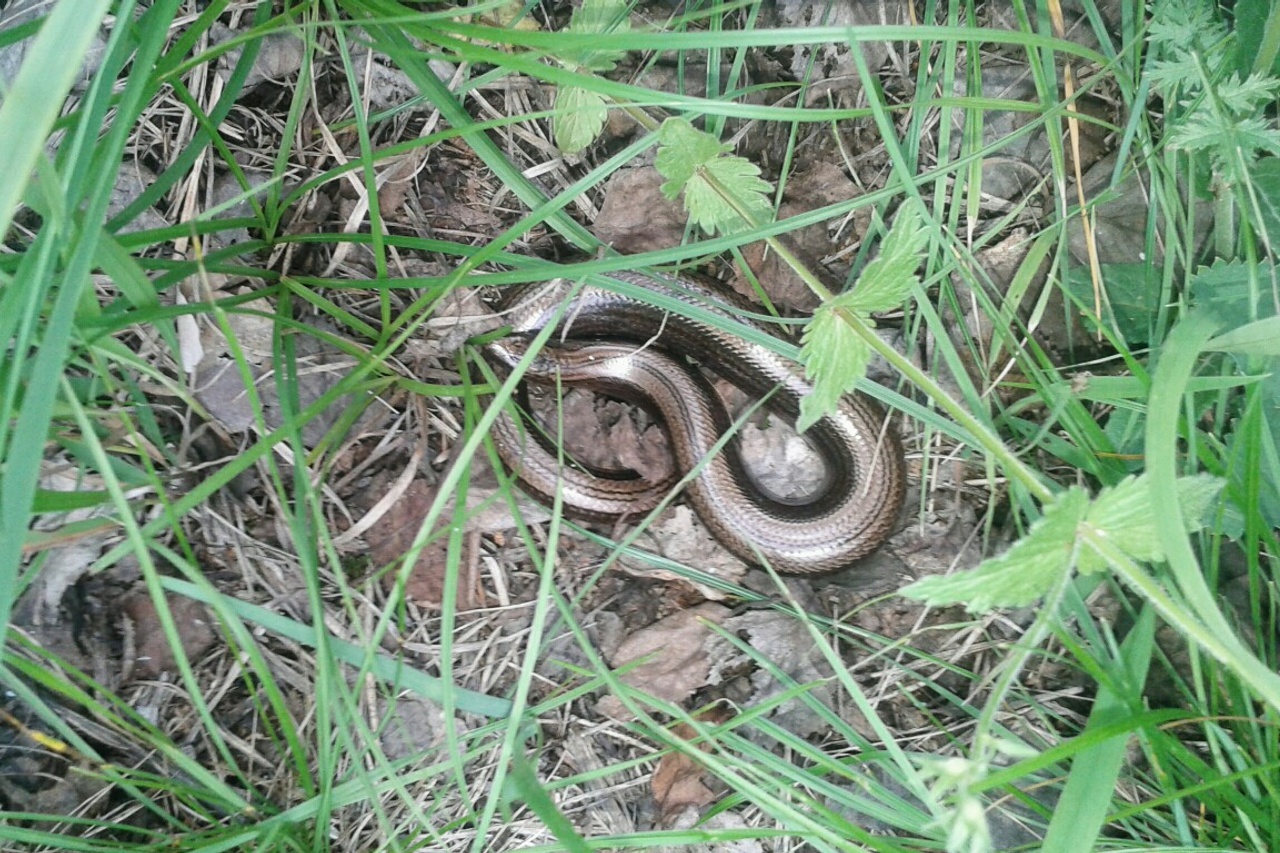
[
  {"x": 1061, "y": 539},
  {"x": 727, "y": 195},
  {"x": 887, "y": 281},
  {"x": 595, "y": 17},
  {"x": 834, "y": 359},
  {"x": 580, "y": 113},
  {"x": 1020, "y": 576},
  {"x": 1122, "y": 514},
  {"x": 834, "y": 356},
  {"x": 716, "y": 185},
  {"x": 682, "y": 149},
  {"x": 579, "y": 116}
]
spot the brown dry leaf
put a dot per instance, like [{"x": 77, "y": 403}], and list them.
[
  {"x": 679, "y": 536},
  {"x": 635, "y": 216},
  {"x": 280, "y": 55},
  {"x": 458, "y": 316},
  {"x": 830, "y": 66},
  {"x": 411, "y": 725},
  {"x": 643, "y": 450},
  {"x": 818, "y": 186},
  {"x": 785, "y": 642},
  {"x": 396, "y": 180},
  {"x": 674, "y": 651},
  {"x": 153, "y": 655},
  {"x": 70, "y": 555},
  {"x": 678, "y": 782},
  {"x": 132, "y": 180},
  {"x": 221, "y": 390},
  {"x": 741, "y": 842},
  {"x": 606, "y": 434},
  {"x": 392, "y": 536}
]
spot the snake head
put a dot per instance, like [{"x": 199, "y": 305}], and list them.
[{"x": 504, "y": 354}]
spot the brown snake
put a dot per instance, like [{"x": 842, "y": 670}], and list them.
[{"x": 625, "y": 347}]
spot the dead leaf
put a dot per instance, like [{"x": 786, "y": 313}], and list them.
[
  {"x": 133, "y": 179},
  {"x": 391, "y": 537},
  {"x": 220, "y": 387},
  {"x": 830, "y": 66},
  {"x": 280, "y": 55},
  {"x": 635, "y": 216},
  {"x": 678, "y": 535},
  {"x": 411, "y": 725},
  {"x": 679, "y": 782},
  {"x": 67, "y": 560},
  {"x": 674, "y": 651},
  {"x": 153, "y": 654},
  {"x": 820, "y": 185},
  {"x": 741, "y": 841},
  {"x": 395, "y": 182},
  {"x": 790, "y": 648},
  {"x": 605, "y": 434},
  {"x": 644, "y": 450}
]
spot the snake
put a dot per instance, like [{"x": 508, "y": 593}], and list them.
[{"x": 624, "y": 344}]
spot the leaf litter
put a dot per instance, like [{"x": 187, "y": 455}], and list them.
[{"x": 661, "y": 630}]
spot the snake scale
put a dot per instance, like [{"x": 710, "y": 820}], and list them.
[{"x": 627, "y": 347}]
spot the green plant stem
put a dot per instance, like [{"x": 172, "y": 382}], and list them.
[
  {"x": 638, "y": 115},
  {"x": 983, "y": 436}
]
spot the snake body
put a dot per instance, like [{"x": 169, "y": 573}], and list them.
[{"x": 628, "y": 347}]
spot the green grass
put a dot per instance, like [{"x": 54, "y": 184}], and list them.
[{"x": 277, "y": 740}]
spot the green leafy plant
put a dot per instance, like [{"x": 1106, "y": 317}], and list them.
[
  {"x": 319, "y": 669},
  {"x": 580, "y": 112}
]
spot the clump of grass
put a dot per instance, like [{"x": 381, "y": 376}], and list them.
[{"x": 314, "y": 768}]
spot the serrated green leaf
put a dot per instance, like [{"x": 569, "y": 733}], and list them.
[
  {"x": 887, "y": 281},
  {"x": 579, "y": 116},
  {"x": 1203, "y": 131},
  {"x": 682, "y": 149},
  {"x": 1023, "y": 574},
  {"x": 1197, "y": 495},
  {"x": 1122, "y": 514},
  {"x": 718, "y": 188},
  {"x": 721, "y": 191},
  {"x": 705, "y": 206},
  {"x": 1130, "y": 297},
  {"x": 834, "y": 359},
  {"x": 597, "y": 17},
  {"x": 1248, "y": 94},
  {"x": 834, "y": 355}
]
